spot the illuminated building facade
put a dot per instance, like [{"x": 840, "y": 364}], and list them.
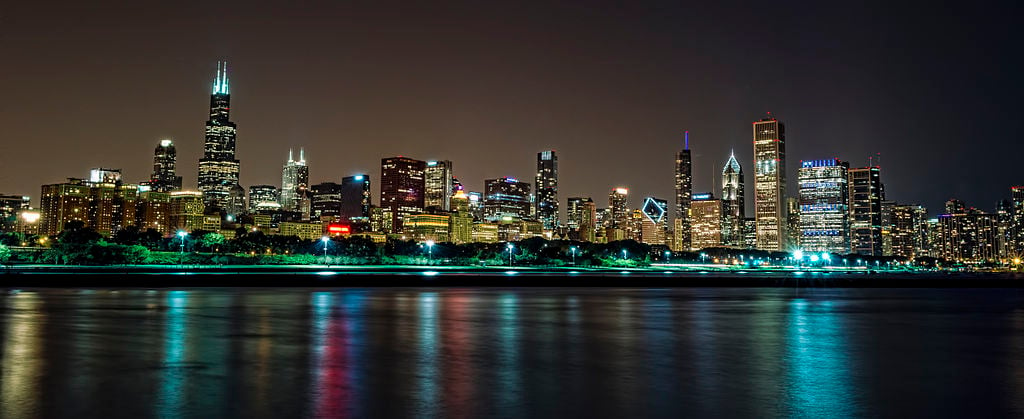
[
  {"x": 582, "y": 218},
  {"x": 706, "y": 221},
  {"x": 422, "y": 227},
  {"x": 684, "y": 192},
  {"x": 733, "y": 205},
  {"x": 1016, "y": 242},
  {"x": 908, "y": 231},
  {"x": 62, "y": 203},
  {"x": 10, "y": 205},
  {"x": 401, "y": 188},
  {"x": 164, "y": 177},
  {"x": 506, "y": 197},
  {"x": 824, "y": 211},
  {"x": 326, "y": 200},
  {"x": 546, "y": 182},
  {"x": 866, "y": 198},
  {"x": 618, "y": 209},
  {"x": 294, "y": 182},
  {"x": 218, "y": 169},
  {"x": 263, "y": 196},
  {"x": 154, "y": 212},
  {"x": 770, "y": 183},
  {"x": 654, "y": 222},
  {"x": 186, "y": 211},
  {"x": 969, "y": 237},
  {"x": 355, "y": 197},
  {"x": 439, "y": 185}
]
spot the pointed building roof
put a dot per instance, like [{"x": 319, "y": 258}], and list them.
[
  {"x": 220, "y": 82},
  {"x": 732, "y": 166}
]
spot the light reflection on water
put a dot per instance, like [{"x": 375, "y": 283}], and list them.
[{"x": 511, "y": 353}]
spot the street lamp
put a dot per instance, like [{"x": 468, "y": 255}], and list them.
[
  {"x": 624, "y": 254},
  {"x": 324, "y": 240},
  {"x": 182, "y": 234},
  {"x": 703, "y": 258},
  {"x": 573, "y": 251},
  {"x": 430, "y": 246},
  {"x": 668, "y": 254},
  {"x": 510, "y": 247}
]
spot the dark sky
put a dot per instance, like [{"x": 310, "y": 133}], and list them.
[{"x": 610, "y": 85}]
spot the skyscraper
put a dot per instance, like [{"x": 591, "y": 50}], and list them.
[
  {"x": 1016, "y": 242},
  {"x": 770, "y": 183},
  {"x": 506, "y": 197},
  {"x": 706, "y": 225},
  {"x": 824, "y": 212},
  {"x": 908, "y": 231},
  {"x": 547, "y": 189},
  {"x": 618, "y": 209},
  {"x": 684, "y": 191},
  {"x": 326, "y": 200},
  {"x": 654, "y": 222},
  {"x": 355, "y": 197},
  {"x": 401, "y": 188},
  {"x": 218, "y": 169},
  {"x": 294, "y": 181},
  {"x": 439, "y": 185},
  {"x": 263, "y": 197},
  {"x": 733, "y": 205},
  {"x": 581, "y": 218},
  {"x": 164, "y": 178},
  {"x": 866, "y": 210}
]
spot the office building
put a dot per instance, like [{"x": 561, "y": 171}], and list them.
[
  {"x": 654, "y": 221},
  {"x": 10, "y": 205},
  {"x": 546, "y": 201},
  {"x": 770, "y": 183},
  {"x": 438, "y": 185},
  {"x": 824, "y": 211},
  {"x": 355, "y": 197},
  {"x": 186, "y": 211},
  {"x": 263, "y": 197},
  {"x": 684, "y": 191},
  {"x": 401, "y": 188},
  {"x": 866, "y": 198},
  {"x": 506, "y": 197},
  {"x": 1016, "y": 242},
  {"x": 326, "y": 201},
  {"x": 706, "y": 221},
  {"x": 164, "y": 177},
  {"x": 733, "y": 204},
  {"x": 618, "y": 209},
  {"x": 908, "y": 232},
  {"x": 294, "y": 182},
  {"x": 218, "y": 169}
]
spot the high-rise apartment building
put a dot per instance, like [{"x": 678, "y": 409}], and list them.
[
  {"x": 506, "y": 197},
  {"x": 186, "y": 211},
  {"x": 10, "y": 205},
  {"x": 684, "y": 192},
  {"x": 401, "y": 188},
  {"x": 547, "y": 189},
  {"x": 218, "y": 169},
  {"x": 824, "y": 211},
  {"x": 866, "y": 211},
  {"x": 909, "y": 232},
  {"x": 969, "y": 237},
  {"x": 733, "y": 205},
  {"x": 294, "y": 181},
  {"x": 164, "y": 177},
  {"x": 1016, "y": 242},
  {"x": 439, "y": 185},
  {"x": 770, "y": 183},
  {"x": 355, "y": 197}
]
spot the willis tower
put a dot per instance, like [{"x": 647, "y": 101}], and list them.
[{"x": 218, "y": 169}]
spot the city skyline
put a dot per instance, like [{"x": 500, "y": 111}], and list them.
[{"x": 851, "y": 91}]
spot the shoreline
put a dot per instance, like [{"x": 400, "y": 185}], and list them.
[{"x": 462, "y": 276}]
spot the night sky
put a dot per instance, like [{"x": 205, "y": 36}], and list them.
[{"x": 611, "y": 86}]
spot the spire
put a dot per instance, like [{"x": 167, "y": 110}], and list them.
[
  {"x": 289, "y": 154},
  {"x": 302, "y": 154},
  {"x": 686, "y": 141},
  {"x": 731, "y": 165},
  {"x": 220, "y": 82}
]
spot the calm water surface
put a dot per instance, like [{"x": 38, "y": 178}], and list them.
[{"x": 512, "y": 353}]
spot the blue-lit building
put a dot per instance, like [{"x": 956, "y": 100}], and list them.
[
  {"x": 355, "y": 197},
  {"x": 506, "y": 197},
  {"x": 824, "y": 206}
]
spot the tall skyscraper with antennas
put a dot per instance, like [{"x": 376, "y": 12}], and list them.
[
  {"x": 684, "y": 194},
  {"x": 218, "y": 169},
  {"x": 294, "y": 181}
]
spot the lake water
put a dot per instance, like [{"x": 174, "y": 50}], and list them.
[{"x": 585, "y": 352}]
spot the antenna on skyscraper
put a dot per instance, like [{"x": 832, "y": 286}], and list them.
[
  {"x": 289, "y": 154},
  {"x": 302, "y": 154}
]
